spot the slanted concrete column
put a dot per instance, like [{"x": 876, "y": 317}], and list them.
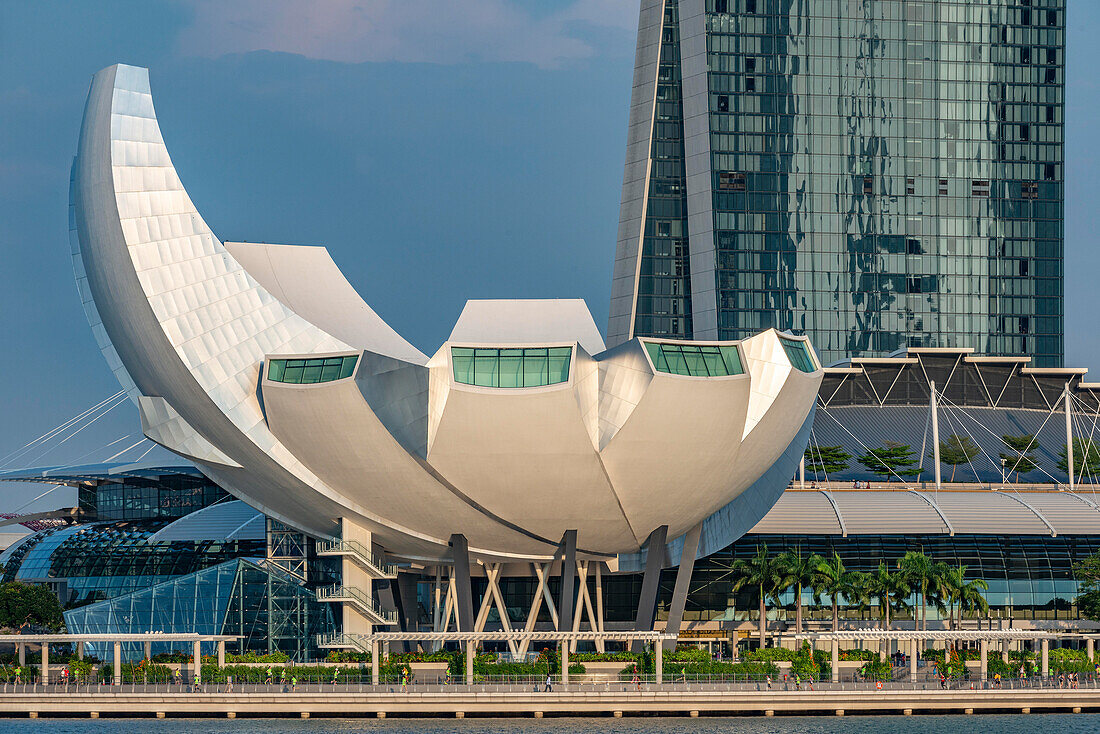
[
  {"x": 836, "y": 661},
  {"x": 659, "y": 660},
  {"x": 45, "y": 663},
  {"x": 221, "y": 653},
  {"x": 21, "y": 653},
  {"x": 1090, "y": 649},
  {"x": 196, "y": 658},
  {"x": 1046, "y": 657},
  {"x": 984, "y": 660},
  {"x": 913, "y": 659},
  {"x": 118, "y": 664},
  {"x": 149, "y": 650},
  {"x": 470, "y": 651},
  {"x": 80, "y": 651},
  {"x": 564, "y": 647},
  {"x": 1004, "y": 651}
]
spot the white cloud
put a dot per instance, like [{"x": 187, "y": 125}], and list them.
[{"x": 432, "y": 31}]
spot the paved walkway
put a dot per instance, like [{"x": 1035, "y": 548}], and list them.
[{"x": 523, "y": 700}]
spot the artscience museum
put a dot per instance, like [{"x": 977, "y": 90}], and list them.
[{"x": 521, "y": 445}]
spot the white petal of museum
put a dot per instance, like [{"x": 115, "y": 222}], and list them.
[{"x": 262, "y": 365}]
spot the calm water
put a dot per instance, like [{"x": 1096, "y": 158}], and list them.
[{"x": 1002, "y": 724}]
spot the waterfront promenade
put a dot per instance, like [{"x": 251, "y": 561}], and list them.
[{"x": 530, "y": 700}]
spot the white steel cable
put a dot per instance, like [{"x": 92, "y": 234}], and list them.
[
  {"x": 91, "y": 421},
  {"x": 46, "y": 436},
  {"x": 120, "y": 453}
]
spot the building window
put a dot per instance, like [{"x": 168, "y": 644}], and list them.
[
  {"x": 693, "y": 360},
  {"x": 664, "y": 229},
  {"x": 912, "y": 285},
  {"x": 511, "y": 367},
  {"x": 731, "y": 181},
  {"x": 868, "y": 184},
  {"x": 750, "y": 63},
  {"x": 1052, "y": 17},
  {"x": 942, "y": 187},
  {"x": 1049, "y": 76},
  {"x": 1025, "y": 132},
  {"x": 723, "y": 103},
  {"x": 721, "y": 6},
  {"x": 1048, "y": 171},
  {"x": 1050, "y": 113},
  {"x": 750, "y": 84},
  {"x": 912, "y": 246},
  {"x": 910, "y": 186},
  {"x": 1023, "y": 268},
  {"x": 750, "y": 6},
  {"x": 1024, "y": 325},
  {"x": 1029, "y": 190},
  {"x": 799, "y": 354},
  {"x": 979, "y": 187},
  {"x": 311, "y": 371}
]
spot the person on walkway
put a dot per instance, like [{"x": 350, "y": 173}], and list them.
[
  {"x": 335, "y": 675},
  {"x": 943, "y": 681},
  {"x": 797, "y": 682},
  {"x": 636, "y": 680},
  {"x": 293, "y": 682},
  {"x": 769, "y": 679},
  {"x": 878, "y": 685},
  {"x": 18, "y": 674},
  {"x": 229, "y": 684},
  {"x": 549, "y": 686},
  {"x": 270, "y": 674},
  {"x": 996, "y": 680},
  {"x": 198, "y": 681}
]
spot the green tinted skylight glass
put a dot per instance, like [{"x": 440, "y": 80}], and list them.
[
  {"x": 799, "y": 354},
  {"x": 311, "y": 371},
  {"x": 511, "y": 367},
  {"x": 695, "y": 360}
]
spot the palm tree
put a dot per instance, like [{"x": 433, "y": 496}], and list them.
[
  {"x": 967, "y": 595},
  {"x": 800, "y": 572},
  {"x": 920, "y": 574},
  {"x": 834, "y": 580},
  {"x": 762, "y": 572},
  {"x": 889, "y": 588}
]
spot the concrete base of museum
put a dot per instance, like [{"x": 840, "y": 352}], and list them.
[{"x": 474, "y": 701}]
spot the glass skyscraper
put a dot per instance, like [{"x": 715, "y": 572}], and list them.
[{"x": 874, "y": 173}]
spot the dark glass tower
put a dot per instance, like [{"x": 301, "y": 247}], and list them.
[{"x": 876, "y": 174}]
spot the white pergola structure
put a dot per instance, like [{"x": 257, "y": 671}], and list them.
[
  {"x": 918, "y": 637},
  {"x": 147, "y": 638},
  {"x": 470, "y": 640}
]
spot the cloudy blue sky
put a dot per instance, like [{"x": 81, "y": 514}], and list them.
[{"x": 441, "y": 150}]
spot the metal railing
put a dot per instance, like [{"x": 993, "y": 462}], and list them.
[
  {"x": 355, "y": 595},
  {"x": 367, "y": 558},
  {"x": 352, "y": 683}
]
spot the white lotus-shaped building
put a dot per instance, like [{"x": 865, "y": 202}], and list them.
[{"x": 264, "y": 367}]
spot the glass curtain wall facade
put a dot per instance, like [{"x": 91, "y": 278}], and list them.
[
  {"x": 874, "y": 174},
  {"x": 267, "y": 609}
]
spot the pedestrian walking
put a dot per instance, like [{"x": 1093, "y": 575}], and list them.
[
  {"x": 769, "y": 680},
  {"x": 270, "y": 674},
  {"x": 549, "y": 686},
  {"x": 229, "y": 684}
]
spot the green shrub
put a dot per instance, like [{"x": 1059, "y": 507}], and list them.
[
  {"x": 137, "y": 673},
  {"x": 769, "y": 655},
  {"x": 877, "y": 669},
  {"x": 808, "y": 663},
  {"x": 253, "y": 657},
  {"x": 710, "y": 669},
  {"x": 858, "y": 655}
]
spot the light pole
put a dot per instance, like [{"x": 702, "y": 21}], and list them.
[{"x": 1002, "y": 472}]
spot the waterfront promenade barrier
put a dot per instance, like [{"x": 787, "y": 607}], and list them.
[{"x": 529, "y": 698}]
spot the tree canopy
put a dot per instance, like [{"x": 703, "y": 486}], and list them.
[
  {"x": 29, "y": 604},
  {"x": 1088, "y": 599},
  {"x": 827, "y": 459},
  {"x": 892, "y": 459},
  {"x": 1019, "y": 459},
  {"x": 1086, "y": 458},
  {"x": 956, "y": 450}
]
